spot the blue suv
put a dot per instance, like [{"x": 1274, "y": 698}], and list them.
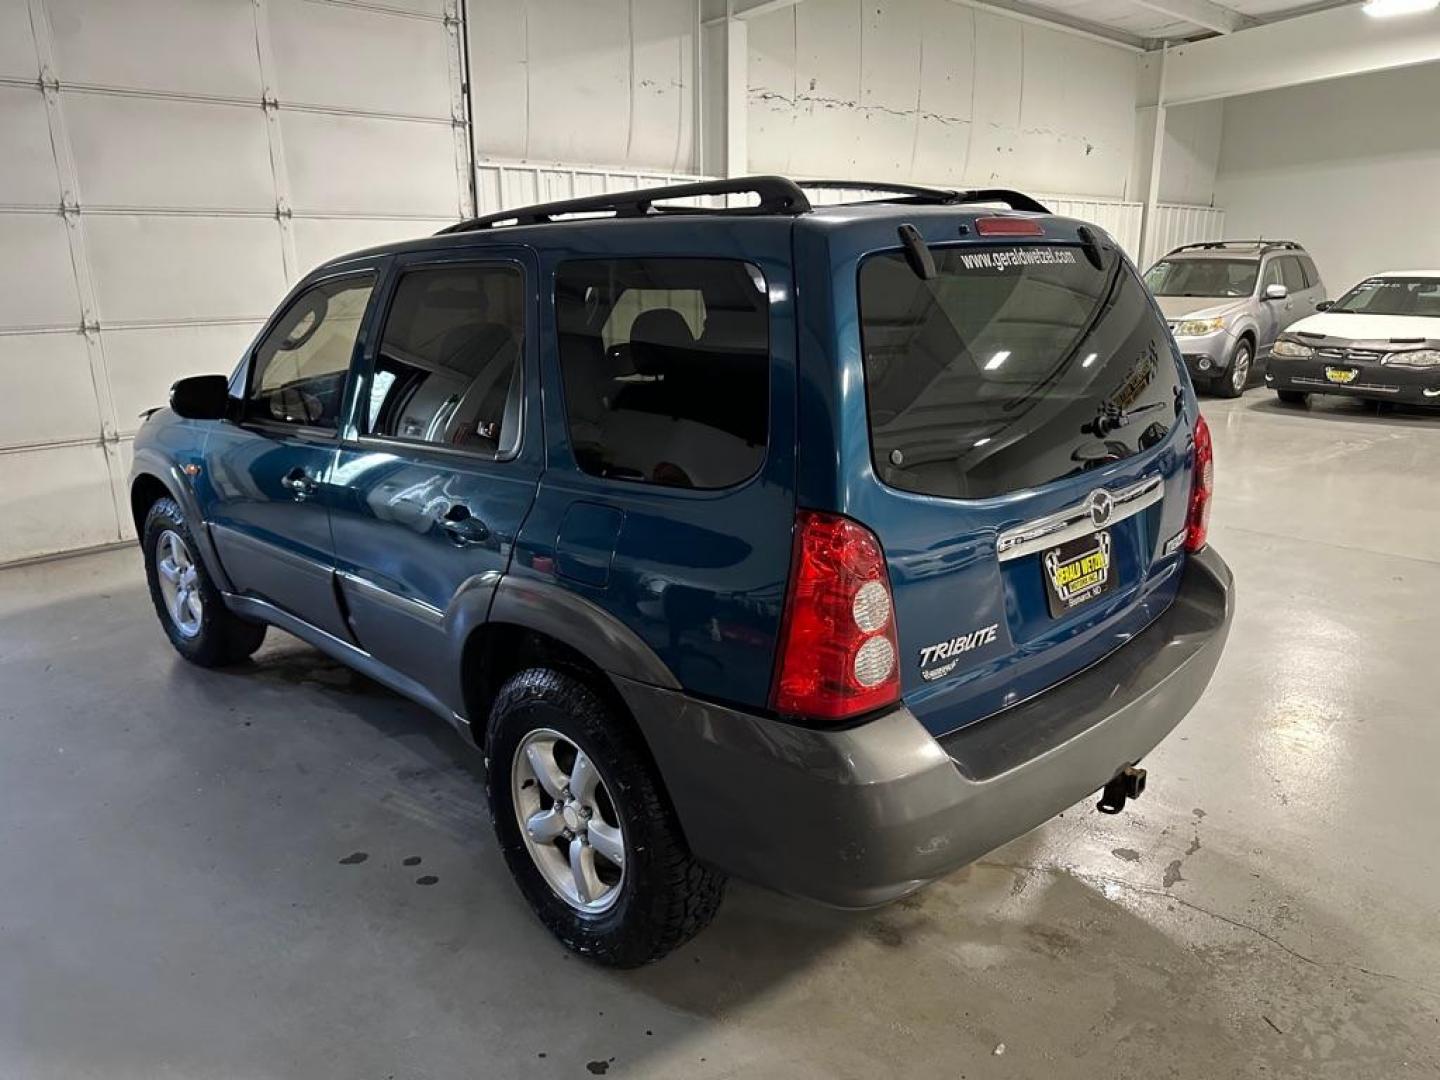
[{"x": 829, "y": 547}]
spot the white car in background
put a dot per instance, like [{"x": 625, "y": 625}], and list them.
[{"x": 1380, "y": 341}]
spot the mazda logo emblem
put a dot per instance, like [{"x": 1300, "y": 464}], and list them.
[{"x": 1101, "y": 505}]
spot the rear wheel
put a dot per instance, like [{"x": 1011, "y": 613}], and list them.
[
  {"x": 190, "y": 607},
  {"x": 585, "y": 826},
  {"x": 1292, "y": 397},
  {"x": 1232, "y": 382}
]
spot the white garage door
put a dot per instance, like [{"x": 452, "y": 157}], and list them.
[{"x": 167, "y": 169}]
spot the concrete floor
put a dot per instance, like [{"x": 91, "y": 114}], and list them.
[{"x": 177, "y": 897}]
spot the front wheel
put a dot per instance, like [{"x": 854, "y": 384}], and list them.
[
  {"x": 1232, "y": 383},
  {"x": 585, "y": 826},
  {"x": 191, "y": 609}
]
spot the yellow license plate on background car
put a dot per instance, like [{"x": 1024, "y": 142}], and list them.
[{"x": 1341, "y": 375}]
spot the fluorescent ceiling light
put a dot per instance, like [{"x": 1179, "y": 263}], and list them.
[
  {"x": 996, "y": 360},
  {"x": 1383, "y": 9}
]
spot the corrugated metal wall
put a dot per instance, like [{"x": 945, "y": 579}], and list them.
[
  {"x": 1176, "y": 225},
  {"x": 169, "y": 167}
]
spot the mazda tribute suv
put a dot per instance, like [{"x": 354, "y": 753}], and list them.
[{"x": 825, "y": 547}]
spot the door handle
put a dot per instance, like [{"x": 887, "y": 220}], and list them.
[
  {"x": 300, "y": 482},
  {"x": 463, "y": 526}
]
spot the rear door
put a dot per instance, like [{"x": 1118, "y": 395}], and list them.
[{"x": 1028, "y": 431}]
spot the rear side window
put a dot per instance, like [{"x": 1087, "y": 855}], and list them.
[
  {"x": 448, "y": 370},
  {"x": 300, "y": 367},
  {"x": 666, "y": 364},
  {"x": 1012, "y": 368}
]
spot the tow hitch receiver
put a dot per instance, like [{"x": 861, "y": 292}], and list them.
[{"x": 1128, "y": 783}]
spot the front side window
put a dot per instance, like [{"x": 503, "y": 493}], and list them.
[
  {"x": 300, "y": 368},
  {"x": 1202, "y": 277},
  {"x": 1011, "y": 368},
  {"x": 666, "y": 365},
  {"x": 448, "y": 369},
  {"x": 1292, "y": 274},
  {"x": 1272, "y": 275}
]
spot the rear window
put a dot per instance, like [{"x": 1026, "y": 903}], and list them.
[
  {"x": 1012, "y": 368},
  {"x": 666, "y": 365}
]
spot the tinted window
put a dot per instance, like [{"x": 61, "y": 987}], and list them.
[
  {"x": 1009, "y": 369},
  {"x": 448, "y": 367},
  {"x": 1273, "y": 275},
  {"x": 1202, "y": 277},
  {"x": 1291, "y": 274},
  {"x": 300, "y": 367},
  {"x": 666, "y": 365},
  {"x": 1312, "y": 276}
]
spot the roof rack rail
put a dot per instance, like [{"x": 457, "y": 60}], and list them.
[
  {"x": 777, "y": 195},
  {"x": 1223, "y": 245},
  {"x": 914, "y": 193}
]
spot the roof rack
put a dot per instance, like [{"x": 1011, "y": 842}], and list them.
[
  {"x": 1225, "y": 245},
  {"x": 912, "y": 193},
  {"x": 777, "y": 195}
]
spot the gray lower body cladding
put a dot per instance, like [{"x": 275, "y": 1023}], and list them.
[{"x": 862, "y": 816}]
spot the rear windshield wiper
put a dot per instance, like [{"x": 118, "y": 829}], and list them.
[{"x": 1112, "y": 416}]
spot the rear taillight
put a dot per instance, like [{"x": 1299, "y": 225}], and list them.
[
  {"x": 838, "y": 656},
  {"x": 1202, "y": 486}
]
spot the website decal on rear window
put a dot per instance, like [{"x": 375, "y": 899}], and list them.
[
  {"x": 1017, "y": 258},
  {"x": 1010, "y": 368}
]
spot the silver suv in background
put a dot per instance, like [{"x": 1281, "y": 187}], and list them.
[{"x": 1228, "y": 300}]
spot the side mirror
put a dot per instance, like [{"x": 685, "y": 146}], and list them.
[
  {"x": 1324, "y": 305},
  {"x": 201, "y": 397},
  {"x": 1276, "y": 291}
]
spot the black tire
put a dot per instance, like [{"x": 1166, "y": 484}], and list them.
[
  {"x": 1292, "y": 397},
  {"x": 1243, "y": 356},
  {"x": 665, "y": 896},
  {"x": 221, "y": 637}
]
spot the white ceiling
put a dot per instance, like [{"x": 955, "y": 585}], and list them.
[{"x": 1145, "y": 24}]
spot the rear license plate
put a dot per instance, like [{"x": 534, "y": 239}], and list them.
[
  {"x": 1078, "y": 572},
  {"x": 1341, "y": 375}
]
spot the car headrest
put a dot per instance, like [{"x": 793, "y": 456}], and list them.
[{"x": 655, "y": 335}]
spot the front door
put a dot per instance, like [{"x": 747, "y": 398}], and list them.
[
  {"x": 262, "y": 488},
  {"x": 441, "y": 460},
  {"x": 1270, "y": 314}
]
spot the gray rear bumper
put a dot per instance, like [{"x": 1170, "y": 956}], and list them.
[{"x": 859, "y": 817}]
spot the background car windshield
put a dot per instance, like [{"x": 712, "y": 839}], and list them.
[
  {"x": 1006, "y": 370},
  {"x": 1393, "y": 296},
  {"x": 1203, "y": 277}
]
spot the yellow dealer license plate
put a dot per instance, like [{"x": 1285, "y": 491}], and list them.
[
  {"x": 1341, "y": 375},
  {"x": 1078, "y": 572}
]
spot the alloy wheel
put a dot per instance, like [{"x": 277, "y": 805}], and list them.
[
  {"x": 179, "y": 583},
  {"x": 568, "y": 820},
  {"x": 1240, "y": 370}
]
